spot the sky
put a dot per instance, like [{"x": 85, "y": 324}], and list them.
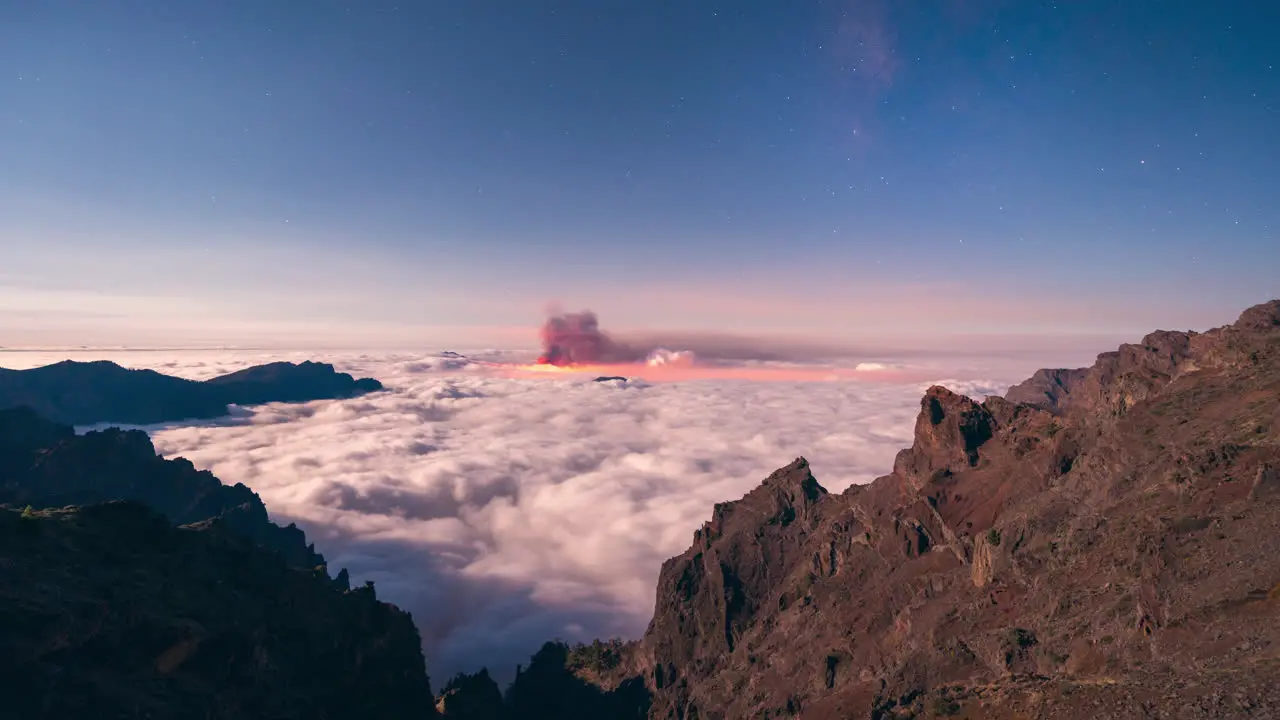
[{"x": 418, "y": 173}]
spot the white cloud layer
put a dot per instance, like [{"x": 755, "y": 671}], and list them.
[{"x": 505, "y": 511}]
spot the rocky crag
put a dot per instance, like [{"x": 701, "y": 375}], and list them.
[
  {"x": 1100, "y": 543},
  {"x": 89, "y": 393}
]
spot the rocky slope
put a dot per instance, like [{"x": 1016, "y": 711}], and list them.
[
  {"x": 46, "y": 465},
  {"x": 88, "y": 393},
  {"x": 1102, "y": 543},
  {"x": 111, "y": 612}
]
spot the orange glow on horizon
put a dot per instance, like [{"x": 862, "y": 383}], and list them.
[{"x": 678, "y": 373}]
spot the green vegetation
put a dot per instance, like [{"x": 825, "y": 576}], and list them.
[
  {"x": 993, "y": 537},
  {"x": 598, "y": 656}
]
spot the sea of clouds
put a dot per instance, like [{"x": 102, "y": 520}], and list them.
[{"x": 503, "y": 511}]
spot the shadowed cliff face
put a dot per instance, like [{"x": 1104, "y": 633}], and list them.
[
  {"x": 110, "y": 611},
  {"x": 1103, "y": 542},
  {"x": 44, "y": 465},
  {"x": 585, "y": 682},
  {"x": 77, "y": 393}
]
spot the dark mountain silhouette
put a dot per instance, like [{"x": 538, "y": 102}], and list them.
[
  {"x": 560, "y": 683},
  {"x": 88, "y": 393},
  {"x": 109, "y": 611},
  {"x": 46, "y": 465},
  {"x": 1102, "y": 543}
]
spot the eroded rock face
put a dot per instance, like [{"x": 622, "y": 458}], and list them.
[
  {"x": 1046, "y": 388},
  {"x": 110, "y": 611},
  {"x": 1101, "y": 543}
]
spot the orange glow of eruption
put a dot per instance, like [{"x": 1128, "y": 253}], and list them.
[{"x": 672, "y": 373}]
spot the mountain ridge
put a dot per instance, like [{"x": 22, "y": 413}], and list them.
[{"x": 92, "y": 393}]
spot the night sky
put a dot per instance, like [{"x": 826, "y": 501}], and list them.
[{"x": 429, "y": 171}]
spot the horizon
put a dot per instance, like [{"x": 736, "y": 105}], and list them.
[
  {"x": 519, "y": 311},
  {"x": 860, "y": 171}
]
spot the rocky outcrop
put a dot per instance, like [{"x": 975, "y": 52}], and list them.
[
  {"x": 561, "y": 682},
  {"x": 110, "y": 611},
  {"x": 46, "y": 465},
  {"x": 1046, "y": 388},
  {"x": 1099, "y": 543},
  {"x": 471, "y": 697},
  {"x": 1120, "y": 379},
  {"x": 89, "y": 393},
  {"x": 552, "y": 688}
]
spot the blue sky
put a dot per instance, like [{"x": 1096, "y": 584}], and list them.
[{"x": 417, "y": 173}]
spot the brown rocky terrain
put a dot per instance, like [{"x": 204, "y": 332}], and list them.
[
  {"x": 109, "y": 611},
  {"x": 1100, "y": 543}
]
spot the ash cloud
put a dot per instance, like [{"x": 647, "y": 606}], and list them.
[{"x": 576, "y": 339}]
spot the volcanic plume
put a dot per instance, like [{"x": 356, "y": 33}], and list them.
[{"x": 576, "y": 339}]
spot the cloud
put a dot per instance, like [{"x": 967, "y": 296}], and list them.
[{"x": 503, "y": 511}]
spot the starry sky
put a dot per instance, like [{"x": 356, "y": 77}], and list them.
[{"x": 424, "y": 172}]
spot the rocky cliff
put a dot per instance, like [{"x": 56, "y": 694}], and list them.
[
  {"x": 1100, "y": 543},
  {"x": 109, "y": 611},
  {"x": 88, "y": 393}
]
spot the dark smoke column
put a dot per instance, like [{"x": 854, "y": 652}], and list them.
[{"x": 576, "y": 338}]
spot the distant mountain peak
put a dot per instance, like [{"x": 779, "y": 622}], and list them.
[{"x": 89, "y": 393}]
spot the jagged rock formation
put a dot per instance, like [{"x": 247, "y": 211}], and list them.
[
  {"x": 88, "y": 393},
  {"x": 471, "y": 697},
  {"x": 46, "y": 465},
  {"x": 584, "y": 682},
  {"x": 1101, "y": 543},
  {"x": 110, "y": 611}
]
